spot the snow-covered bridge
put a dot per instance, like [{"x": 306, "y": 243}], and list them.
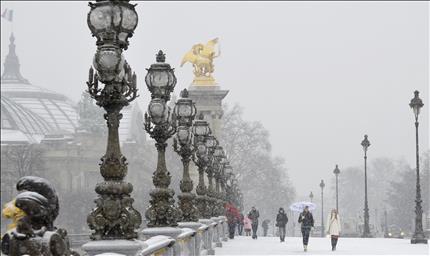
[{"x": 321, "y": 246}]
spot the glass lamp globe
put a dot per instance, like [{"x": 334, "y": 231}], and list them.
[
  {"x": 160, "y": 78},
  {"x": 185, "y": 109},
  {"x": 158, "y": 111},
  {"x": 112, "y": 21},
  {"x": 183, "y": 134},
  {"x": 201, "y": 128}
]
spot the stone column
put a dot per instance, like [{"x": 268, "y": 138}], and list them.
[{"x": 208, "y": 101}]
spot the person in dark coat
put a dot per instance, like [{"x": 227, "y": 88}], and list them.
[
  {"x": 265, "y": 226},
  {"x": 240, "y": 225},
  {"x": 281, "y": 222},
  {"x": 254, "y": 215},
  {"x": 307, "y": 221}
]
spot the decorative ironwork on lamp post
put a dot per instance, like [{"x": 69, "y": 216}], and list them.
[
  {"x": 200, "y": 131},
  {"x": 366, "y": 229},
  {"x": 311, "y": 196},
  {"x": 211, "y": 144},
  {"x": 112, "y": 23},
  {"x": 185, "y": 112},
  {"x": 336, "y": 172},
  {"x": 418, "y": 236},
  {"x": 322, "y": 185},
  {"x": 161, "y": 125},
  {"x": 218, "y": 169}
]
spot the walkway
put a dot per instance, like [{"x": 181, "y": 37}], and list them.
[{"x": 346, "y": 246}]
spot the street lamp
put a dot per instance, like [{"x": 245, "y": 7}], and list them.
[
  {"x": 418, "y": 237},
  {"x": 211, "y": 144},
  {"x": 366, "y": 230},
  {"x": 185, "y": 112},
  {"x": 336, "y": 173},
  {"x": 219, "y": 156},
  {"x": 200, "y": 131},
  {"x": 311, "y": 196},
  {"x": 112, "y": 23},
  {"x": 322, "y": 185},
  {"x": 161, "y": 125}
]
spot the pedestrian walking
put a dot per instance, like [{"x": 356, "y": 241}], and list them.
[
  {"x": 333, "y": 228},
  {"x": 281, "y": 223},
  {"x": 254, "y": 215},
  {"x": 265, "y": 225},
  {"x": 240, "y": 224},
  {"x": 232, "y": 215},
  {"x": 247, "y": 225},
  {"x": 307, "y": 221}
]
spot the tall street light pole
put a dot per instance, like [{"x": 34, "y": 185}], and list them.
[
  {"x": 200, "y": 131},
  {"x": 418, "y": 237},
  {"x": 112, "y": 23},
  {"x": 185, "y": 112},
  {"x": 336, "y": 173},
  {"x": 322, "y": 185},
  {"x": 161, "y": 125},
  {"x": 366, "y": 230},
  {"x": 311, "y": 196}
]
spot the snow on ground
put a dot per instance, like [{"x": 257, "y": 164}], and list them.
[{"x": 321, "y": 246}]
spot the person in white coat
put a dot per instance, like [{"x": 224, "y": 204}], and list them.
[{"x": 333, "y": 228}]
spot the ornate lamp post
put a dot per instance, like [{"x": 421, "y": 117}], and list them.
[
  {"x": 218, "y": 170},
  {"x": 366, "y": 230},
  {"x": 211, "y": 144},
  {"x": 161, "y": 125},
  {"x": 311, "y": 196},
  {"x": 200, "y": 131},
  {"x": 226, "y": 172},
  {"x": 185, "y": 112},
  {"x": 418, "y": 237},
  {"x": 336, "y": 172},
  {"x": 112, "y": 23},
  {"x": 322, "y": 185}
]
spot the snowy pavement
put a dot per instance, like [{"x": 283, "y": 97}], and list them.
[{"x": 321, "y": 246}]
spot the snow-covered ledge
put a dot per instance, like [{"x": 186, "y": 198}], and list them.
[
  {"x": 158, "y": 245},
  {"x": 217, "y": 231},
  {"x": 198, "y": 236},
  {"x": 208, "y": 235},
  {"x": 224, "y": 228},
  {"x": 122, "y": 247},
  {"x": 185, "y": 243}
]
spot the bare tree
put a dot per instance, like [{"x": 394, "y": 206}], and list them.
[
  {"x": 24, "y": 159},
  {"x": 263, "y": 178}
]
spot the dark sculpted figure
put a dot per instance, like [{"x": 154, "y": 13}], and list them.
[{"x": 35, "y": 233}]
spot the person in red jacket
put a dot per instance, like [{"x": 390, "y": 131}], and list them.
[{"x": 233, "y": 216}]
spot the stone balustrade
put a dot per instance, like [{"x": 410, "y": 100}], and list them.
[{"x": 197, "y": 241}]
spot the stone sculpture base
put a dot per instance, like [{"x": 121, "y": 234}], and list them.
[{"x": 122, "y": 247}]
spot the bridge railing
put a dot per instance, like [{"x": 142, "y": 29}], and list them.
[{"x": 201, "y": 241}]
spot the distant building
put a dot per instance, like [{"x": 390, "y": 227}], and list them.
[{"x": 44, "y": 133}]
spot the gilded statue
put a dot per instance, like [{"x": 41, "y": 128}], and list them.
[{"x": 202, "y": 56}]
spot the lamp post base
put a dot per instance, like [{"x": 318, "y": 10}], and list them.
[{"x": 419, "y": 240}]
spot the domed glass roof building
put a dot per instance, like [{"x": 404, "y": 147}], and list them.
[
  {"x": 57, "y": 111},
  {"x": 30, "y": 112}
]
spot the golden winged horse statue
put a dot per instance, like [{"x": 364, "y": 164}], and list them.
[{"x": 202, "y": 56}]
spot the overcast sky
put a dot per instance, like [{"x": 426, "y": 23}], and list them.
[{"x": 318, "y": 75}]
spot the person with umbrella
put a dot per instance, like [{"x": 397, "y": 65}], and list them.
[
  {"x": 307, "y": 222},
  {"x": 281, "y": 222}
]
